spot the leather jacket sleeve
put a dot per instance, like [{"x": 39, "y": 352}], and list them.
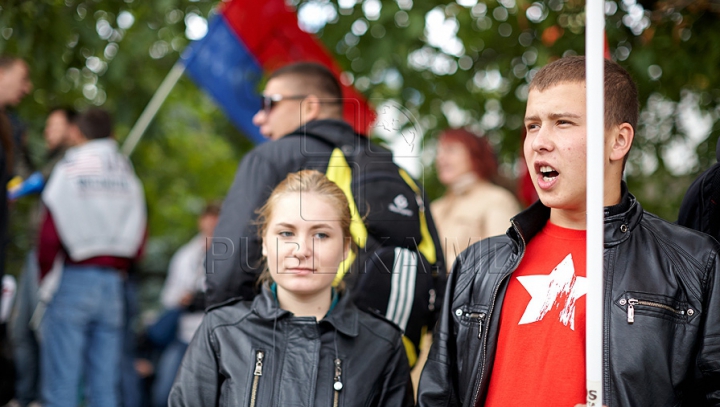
[
  {"x": 437, "y": 387},
  {"x": 197, "y": 383},
  {"x": 397, "y": 388},
  {"x": 708, "y": 360}
]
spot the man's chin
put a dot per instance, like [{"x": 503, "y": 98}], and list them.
[{"x": 550, "y": 200}]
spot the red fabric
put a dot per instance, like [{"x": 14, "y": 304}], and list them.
[
  {"x": 49, "y": 246},
  {"x": 271, "y": 33},
  {"x": 540, "y": 358}
]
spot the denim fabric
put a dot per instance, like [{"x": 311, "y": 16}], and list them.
[
  {"x": 82, "y": 333},
  {"x": 166, "y": 371},
  {"x": 130, "y": 383},
  {"x": 25, "y": 346}
]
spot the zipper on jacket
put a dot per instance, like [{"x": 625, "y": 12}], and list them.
[
  {"x": 337, "y": 385},
  {"x": 480, "y": 317},
  {"x": 259, "y": 356},
  {"x": 492, "y": 307},
  {"x": 632, "y": 302}
]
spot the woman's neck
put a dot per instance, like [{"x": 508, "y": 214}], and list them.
[
  {"x": 464, "y": 182},
  {"x": 312, "y": 305}
]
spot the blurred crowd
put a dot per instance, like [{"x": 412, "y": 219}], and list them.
[
  {"x": 318, "y": 192},
  {"x": 91, "y": 313}
]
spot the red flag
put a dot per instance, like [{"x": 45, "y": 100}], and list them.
[{"x": 271, "y": 33}]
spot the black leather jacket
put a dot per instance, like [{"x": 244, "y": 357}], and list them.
[
  {"x": 669, "y": 356},
  {"x": 245, "y": 353}
]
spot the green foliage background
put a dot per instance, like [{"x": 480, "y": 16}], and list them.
[{"x": 84, "y": 52}]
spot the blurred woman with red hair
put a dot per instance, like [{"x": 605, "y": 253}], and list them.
[{"x": 473, "y": 207}]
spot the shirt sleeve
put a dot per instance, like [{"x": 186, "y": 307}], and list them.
[{"x": 49, "y": 244}]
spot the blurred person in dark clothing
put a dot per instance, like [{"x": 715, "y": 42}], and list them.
[
  {"x": 15, "y": 84},
  {"x": 58, "y": 138},
  {"x": 700, "y": 207}
]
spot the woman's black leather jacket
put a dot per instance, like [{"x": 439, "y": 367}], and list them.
[
  {"x": 668, "y": 356},
  {"x": 256, "y": 354}
]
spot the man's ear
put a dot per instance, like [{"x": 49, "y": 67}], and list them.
[
  {"x": 621, "y": 140},
  {"x": 310, "y": 109}
]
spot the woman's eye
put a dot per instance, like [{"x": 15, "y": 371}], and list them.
[
  {"x": 285, "y": 233},
  {"x": 321, "y": 236}
]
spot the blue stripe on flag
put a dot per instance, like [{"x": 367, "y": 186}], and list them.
[{"x": 220, "y": 64}]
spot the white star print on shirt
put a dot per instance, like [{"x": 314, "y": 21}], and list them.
[{"x": 561, "y": 284}]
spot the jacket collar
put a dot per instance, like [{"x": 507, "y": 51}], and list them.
[
  {"x": 344, "y": 317},
  {"x": 620, "y": 219},
  {"x": 334, "y": 131}
]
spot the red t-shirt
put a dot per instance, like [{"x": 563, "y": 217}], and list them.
[{"x": 540, "y": 358}]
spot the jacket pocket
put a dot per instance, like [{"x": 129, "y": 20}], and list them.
[
  {"x": 256, "y": 377},
  {"x": 472, "y": 319},
  {"x": 638, "y": 304}
]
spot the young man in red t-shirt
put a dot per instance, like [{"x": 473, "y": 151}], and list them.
[{"x": 512, "y": 328}]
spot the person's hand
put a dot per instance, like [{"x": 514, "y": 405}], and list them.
[
  {"x": 144, "y": 367},
  {"x": 187, "y": 299}
]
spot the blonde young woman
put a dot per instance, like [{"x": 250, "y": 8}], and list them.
[{"x": 301, "y": 342}]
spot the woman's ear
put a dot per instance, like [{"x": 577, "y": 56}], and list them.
[
  {"x": 264, "y": 249},
  {"x": 346, "y": 249},
  {"x": 621, "y": 140}
]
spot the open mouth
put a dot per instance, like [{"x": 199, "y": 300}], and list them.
[{"x": 548, "y": 173}]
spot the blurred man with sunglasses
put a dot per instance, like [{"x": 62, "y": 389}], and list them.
[
  {"x": 302, "y": 114},
  {"x": 287, "y": 104}
]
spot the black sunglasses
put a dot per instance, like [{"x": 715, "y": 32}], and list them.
[{"x": 268, "y": 102}]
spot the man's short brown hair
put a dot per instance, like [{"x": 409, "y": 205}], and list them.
[
  {"x": 95, "y": 123},
  {"x": 212, "y": 208},
  {"x": 621, "y": 95},
  {"x": 314, "y": 78}
]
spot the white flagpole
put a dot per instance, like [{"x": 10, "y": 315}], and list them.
[
  {"x": 152, "y": 108},
  {"x": 594, "y": 54}
]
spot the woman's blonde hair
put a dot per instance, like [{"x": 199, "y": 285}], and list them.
[{"x": 306, "y": 182}]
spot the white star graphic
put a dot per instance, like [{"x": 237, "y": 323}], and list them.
[{"x": 561, "y": 283}]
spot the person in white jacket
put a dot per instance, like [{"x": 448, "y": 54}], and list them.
[
  {"x": 94, "y": 227},
  {"x": 184, "y": 289}
]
